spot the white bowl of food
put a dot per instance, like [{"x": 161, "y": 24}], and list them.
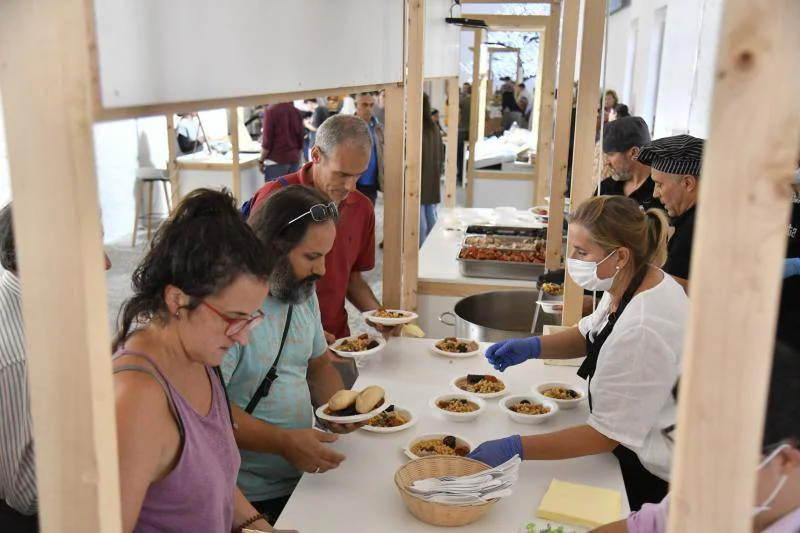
[
  {"x": 486, "y": 386},
  {"x": 389, "y": 317},
  {"x": 565, "y": 395},
  {"x": 392, "y": 420},
  {"x": 358, "y": 347},
  {"x": 528, "y": 408},
  {"x": 350, "y": 406},
  {"x": 554, "y": 307},
  {"x": 552, "y": 289},
  {"x": 459, "y": 406},
  {"x": 438, "y": 444},
  {"x": 455, "y": 347}
]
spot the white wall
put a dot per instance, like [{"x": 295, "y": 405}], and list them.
[
  {"x": 120, "y": 147},
  {"x": 683, "y": 36}
]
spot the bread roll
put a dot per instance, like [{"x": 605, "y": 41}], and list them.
[
  {"x": 342, "y": 400},
  {"x": 369, "y": 399}
]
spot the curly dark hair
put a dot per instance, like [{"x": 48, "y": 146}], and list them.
[
  {"x": 269, "y": 222},
  {"x": 203, "y": 248},
  {"x": 8, "y": 251}
]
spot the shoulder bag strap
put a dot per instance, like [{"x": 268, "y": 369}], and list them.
[{"x": 263, "y": 389}]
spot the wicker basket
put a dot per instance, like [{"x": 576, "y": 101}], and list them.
[{"x": 438, "y": 514}]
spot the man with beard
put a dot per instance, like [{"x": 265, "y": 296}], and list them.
[
  {"x": 284, "y": 372},
  {"x": 622, "y": 141}
]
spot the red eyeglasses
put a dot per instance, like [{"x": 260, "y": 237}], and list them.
[{"x": 237, "y": 325}]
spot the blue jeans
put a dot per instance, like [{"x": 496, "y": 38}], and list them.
[
  {"x": 427, "y": 218},
  {"x": 274, "y": 172}
]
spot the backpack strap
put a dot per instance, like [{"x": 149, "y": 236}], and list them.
[{"x": 272, "y": 374}]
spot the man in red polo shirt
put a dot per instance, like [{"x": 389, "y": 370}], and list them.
[{"x": 340, "y": 155}]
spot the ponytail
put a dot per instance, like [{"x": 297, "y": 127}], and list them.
[{"x": 655, "y": 252}]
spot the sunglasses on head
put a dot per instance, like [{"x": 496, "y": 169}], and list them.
[{"x": 319, "y": 213}]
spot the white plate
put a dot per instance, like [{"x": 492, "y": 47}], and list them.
[
  {"x": 455, "y": 355},
  {"x": 528, "y": 419},
  {"x": 459, "y": 417},
  {"x": 554, "y": 307},
  {"x": 352, "y": 419},
  {"x": 409, "y": 316},
  {"x": 485, "y": 396},
  {"x": 562, "y": 404},
  {"x": 533, "y": 210},
  {"x": 407, "y": 413},
  {"x": 358, "y": 355},
  {"x": 459, "y": 441}
]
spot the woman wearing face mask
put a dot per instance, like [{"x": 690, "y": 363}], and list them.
[
  {"x": 633, "y": 345},
  {"x": 777, "y": 501},
  {"x": 197, "y": 292}
]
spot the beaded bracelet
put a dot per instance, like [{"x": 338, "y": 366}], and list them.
[{"x": 250, "y": 521}]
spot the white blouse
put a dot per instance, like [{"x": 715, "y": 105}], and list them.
[{"x": 637, "y": 368}]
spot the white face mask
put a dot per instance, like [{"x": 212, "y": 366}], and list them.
[
  {"x": 584, "y": 273},
  {"x": 781, "y": 482}
]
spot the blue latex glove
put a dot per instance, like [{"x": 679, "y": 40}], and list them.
[
  {"x": 512, "y": 352},
  {"x": 497, "y": 452},
  {"x": 791, "y": 267}
]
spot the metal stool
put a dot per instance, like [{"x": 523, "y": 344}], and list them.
[{"x": 149, "y": 177}]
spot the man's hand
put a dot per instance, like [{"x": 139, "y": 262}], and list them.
[
  {"x": 387, "y": 331},
  {"x": 341, "y": 428},
  {"x": 262, "y": 166},
  {"x": 305, "y": 449},
  {"x": 329, "y": 338}
]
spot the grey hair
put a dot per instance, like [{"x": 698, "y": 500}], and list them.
[
  {"x": 343, "y": 129},
  {"x": 8, "y": 251}
]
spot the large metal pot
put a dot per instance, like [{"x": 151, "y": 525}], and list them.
[{"x": 495, "y": 316}]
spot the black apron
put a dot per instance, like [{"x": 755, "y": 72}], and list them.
[{"x": 640, "y": 485}]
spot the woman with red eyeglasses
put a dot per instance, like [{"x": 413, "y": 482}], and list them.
[{"x": 197, "y": 292}]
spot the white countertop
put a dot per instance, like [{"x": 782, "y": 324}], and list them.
[
  {"x": 437, "y": 258},
  {"x": 360, "y": 495}
]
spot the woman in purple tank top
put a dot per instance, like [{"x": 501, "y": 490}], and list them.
[{"x": 197, "y": 292}]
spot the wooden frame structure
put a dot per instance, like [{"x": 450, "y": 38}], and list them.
[
  {"x": 481, "y": 75},
  {"x": 746, "y": 162}
]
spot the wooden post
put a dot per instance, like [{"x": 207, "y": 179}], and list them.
[
  {"x": 415, "y": 55},
  {"x": 172, "y": 163},
  {"x": 393, "y": 185},
  {"x": 233, "y": 129},
  {"x": 545, "y": 98},
  {"x": 563, "y": 127},
  {"x": 58, "y": 236},
  {"x": 477, "y": 116},
  {"x": 747, "y": 167},
  {"x": 452, "y": 143},
  {"x": 594, "y": 23}
]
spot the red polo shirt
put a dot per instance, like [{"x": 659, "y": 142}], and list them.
[{"x": 353, "y": 249}]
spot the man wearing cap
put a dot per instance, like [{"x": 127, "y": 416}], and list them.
[
  {"x": 675, "y": 163},
  {"x": 622, "y": 140}
]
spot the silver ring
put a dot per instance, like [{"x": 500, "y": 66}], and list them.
[{"x": 316, "y": 471}]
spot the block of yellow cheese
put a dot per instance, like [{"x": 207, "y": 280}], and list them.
[{"x": 580, "y": 505}]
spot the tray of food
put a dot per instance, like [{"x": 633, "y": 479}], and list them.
[
  {"x": 530, "y": 244},
  {"x": 507, "y": 231},
  {"x": 500, "y": 264}
]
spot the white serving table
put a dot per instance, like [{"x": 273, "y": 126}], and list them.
[
  {"x": 441, "y": 285},
  {"x": 360, "y": 495}
]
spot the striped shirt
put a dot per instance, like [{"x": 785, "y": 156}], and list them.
[{"x": 17, "y": 474}]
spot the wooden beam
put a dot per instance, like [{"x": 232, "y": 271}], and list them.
[
  {"x": 233, "y": 128},
  {"x": 477, "y": 115},
  {"x": 503, "y": 175},
  {"x": 747, "y": 168},
  {"x": 393, "y": 186},
  {"x": 545, "y": 98},
  {"x": 512, "y": 22},
  {"x": 451, "y": 168},
  {"x": 105, "y": 114},
  {"x": 570, "y": 13},
  {"x": 59, "y": 244},
  {"x": 173, "y": 169},
  {"x": 594, "y": 21},
  {"x": 415, "y": 68}
]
